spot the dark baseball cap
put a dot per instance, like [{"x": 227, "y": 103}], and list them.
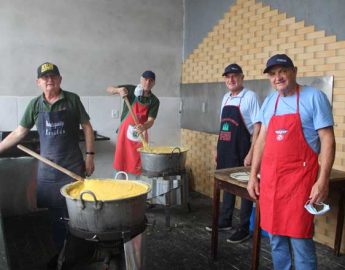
[
  {"x": 278, "y": 59},
  {"x": 148, "y": 74},
  {"x": 232, "y": 68},
  {"x": 46, "y": 68}
]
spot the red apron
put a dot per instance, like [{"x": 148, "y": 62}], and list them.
[
  {"x": 127, "y": 158},
  {"x": 289, "y": 169}
]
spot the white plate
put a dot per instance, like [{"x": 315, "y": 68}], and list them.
[{"x": 240, "y": 176}]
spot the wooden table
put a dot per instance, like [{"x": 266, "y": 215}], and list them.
[
  {"x": 337, "y": 184},
  {"x": 223, "y": 181}
]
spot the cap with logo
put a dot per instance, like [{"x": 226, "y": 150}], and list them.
[
  {"x": 148, "y": 74},
  {"x": 46, "y": 68},
  {"x": 278, "y": 59},
  {"x": 232, "y": 68}
]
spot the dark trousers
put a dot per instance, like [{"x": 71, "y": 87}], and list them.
[
  {"x": 59, "y": 230},
  {"x": 228, "y": 209}
]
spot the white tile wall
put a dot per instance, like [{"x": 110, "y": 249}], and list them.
[
  {"x": 105, "y": 114},
  {"x": 22, "y": 103},
  {"x": 100, "y": 110},
  {"x": 103, "y": 120},
  {"x": 85, "y": 101},
  {"x": 8, "y": 113},
  {"x": 166, "y": 130}
]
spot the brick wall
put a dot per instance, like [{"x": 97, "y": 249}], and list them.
[{"x": 249, "y": 33}]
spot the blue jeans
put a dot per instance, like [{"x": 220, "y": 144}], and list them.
[
  {"x": 302, "y": 250},
  {"x": 59, "y": 230}
]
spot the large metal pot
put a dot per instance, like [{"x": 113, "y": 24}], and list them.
[
  {"x": 104, "y": 216},
  {"x": 163, "y": 163}
]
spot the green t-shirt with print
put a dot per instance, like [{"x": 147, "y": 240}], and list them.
[
  {"x": 30, "y": 116},
  {"x": 152, "y": 101}
]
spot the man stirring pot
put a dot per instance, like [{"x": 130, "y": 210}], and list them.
[{"x": 57, "y": 115}]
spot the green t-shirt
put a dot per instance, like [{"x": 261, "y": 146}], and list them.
[
  {"x": 152, "y": 101},
  {"x": 31, "y": 113}
]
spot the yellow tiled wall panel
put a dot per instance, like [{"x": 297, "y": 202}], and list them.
[{"x": 248, "y": 34}]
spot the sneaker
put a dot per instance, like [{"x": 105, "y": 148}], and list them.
[
  {"x": 238, "y": 236},
  {"x": 221, "y": 228}
]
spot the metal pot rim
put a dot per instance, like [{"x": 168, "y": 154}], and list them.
[
  {"x": 181, "y": 150},
  {"x": 67, "y": 196}
]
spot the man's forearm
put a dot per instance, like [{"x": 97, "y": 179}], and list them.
[
  {"x": 89, "y": 137},
  {"x": 327, "y": 152},
  {"x": 13, "y": 138},
  {"x": 256, "y": 129},
  {"x": 258, "y": 150},
  {"x": 149, "y": 123}
]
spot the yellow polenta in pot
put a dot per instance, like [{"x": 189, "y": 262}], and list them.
[
  {"x": 107, "y": 189},
  {"x": 106, "y": 205}
]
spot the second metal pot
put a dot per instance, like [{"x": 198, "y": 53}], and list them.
[{"x": 164, "y": 163}]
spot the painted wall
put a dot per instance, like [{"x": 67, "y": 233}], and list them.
[
  {"x": 95, "y": 43},
  {"x": 202, "y": 15}
]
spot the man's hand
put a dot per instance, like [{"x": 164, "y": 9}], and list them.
[
  {"x": 248, "y": 159},
  {"x": 122, "y": 91},
  {"x": 319, "y": 191},
  {"x": 140, "y": 128},
  {"x": 253, "y": 187},
  {"x": 89, "y": 165}
]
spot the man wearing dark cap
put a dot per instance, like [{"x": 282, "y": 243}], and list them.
[
  {"x": 145, "y": 107},
  {"x": 239, "y": 126},
  {"x": 296, "y": 134},
  {"x": 57, "y": 115}
]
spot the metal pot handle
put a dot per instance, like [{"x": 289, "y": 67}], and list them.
[
  {"x": 176, "y": 148},
  {"x": 98, "y": 204},
  {"x": 121, "y": 172}
]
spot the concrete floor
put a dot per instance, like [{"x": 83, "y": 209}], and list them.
[{"x": 184, "y": 245}]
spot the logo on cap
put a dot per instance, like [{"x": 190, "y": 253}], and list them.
[
  {"x": 232, "y": 68},
  {"x": 278, "y": 59},
  {"x": 47, "y": 67}
]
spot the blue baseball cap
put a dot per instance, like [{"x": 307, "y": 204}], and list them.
[
  {"x": 278, "y": 59},
  {"x": 232, "y": 68},
  {"x": 149, "y": 74}
]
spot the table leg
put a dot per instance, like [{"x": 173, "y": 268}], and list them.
[
  {"x": 215, "y": 210},
  {"x": 256, "y": 238},
  {"x": 340, "y": 224}
]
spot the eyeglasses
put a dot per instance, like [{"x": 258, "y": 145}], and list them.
[{"x": 314, "y": 209}]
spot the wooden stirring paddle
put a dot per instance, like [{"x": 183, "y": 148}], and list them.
[
  {"x": 50, "y": 163},
  {"x": 145, "y": 144}
]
